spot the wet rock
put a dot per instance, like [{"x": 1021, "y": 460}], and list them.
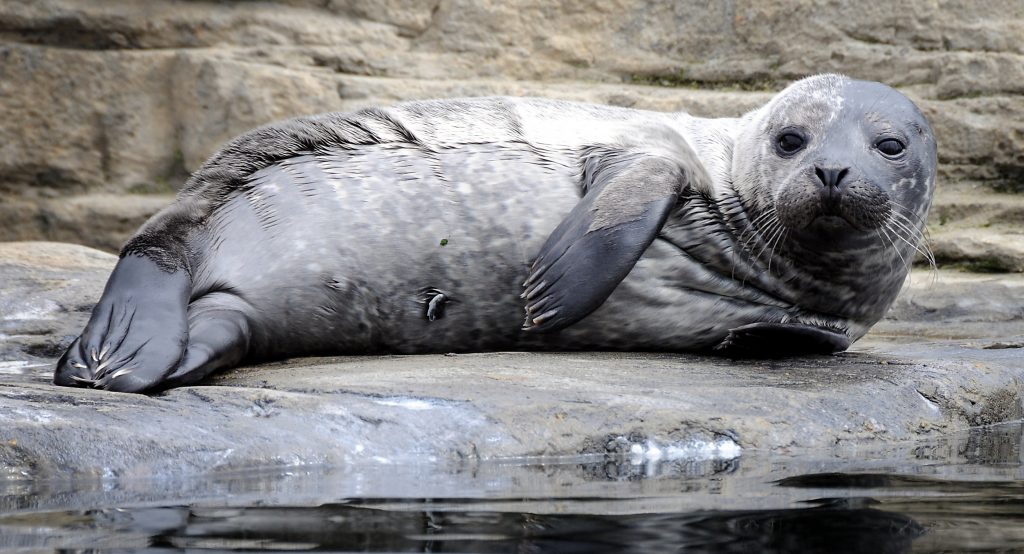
[
  {"x": 47, "y": 291},
  {"x": 901, "y": 382}
]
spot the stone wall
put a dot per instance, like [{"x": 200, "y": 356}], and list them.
[{"x": 106, "y": 105}]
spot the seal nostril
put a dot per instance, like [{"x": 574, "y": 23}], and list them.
[{"x": 830, "y": 177}]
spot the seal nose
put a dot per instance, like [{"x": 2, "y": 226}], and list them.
[{"x": 831, "y": 176}]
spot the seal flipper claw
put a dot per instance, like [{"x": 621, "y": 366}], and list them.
[
  {"x": 140, "y": 321},
  {"x": 777, "y": 340},
  {"x": 629, "y": 197},
  {"x": 89, "y": 382}
]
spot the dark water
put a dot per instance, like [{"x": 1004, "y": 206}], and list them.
[{"x": 955, "y": 494}]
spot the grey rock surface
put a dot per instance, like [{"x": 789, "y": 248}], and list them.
[
  {"x": 948, "y": 358},
  {"x": 125, "y": 98},
  {"x": 977, "y": 230}
]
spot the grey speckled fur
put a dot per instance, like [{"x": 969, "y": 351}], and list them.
[{"x": 332, "y": 233}]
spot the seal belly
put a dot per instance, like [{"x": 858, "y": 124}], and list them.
[{"x": 335, "y": 251}]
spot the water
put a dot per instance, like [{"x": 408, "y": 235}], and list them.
[{"x": 961, "y": 493}]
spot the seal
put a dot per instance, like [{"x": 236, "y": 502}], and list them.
[{"x": 429, "y": 227}]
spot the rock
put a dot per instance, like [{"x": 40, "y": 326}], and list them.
[
  {"x": 83, "y": 120},
  {"x": 969, "y": 206},
  {"x": 987, "y": 250},
  {"x": 531, "y": 39},
  {"x": 980, "y": 309},
  {"x": 259, "y": 94},
  {"x": 977, "y": 230},
  {"x": 114, "y": 97},
  {"x": 48, "y": 292},
  {"x": 450, "y": 409},
  {"x": 104, "y": 221},
  {"x": 980, "y": 139}
]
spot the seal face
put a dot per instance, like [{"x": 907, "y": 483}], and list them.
[
  {"x": 853, "y": 155},
  {"x": 430, "y": 226},
  {"x": 838, "y": 169}
]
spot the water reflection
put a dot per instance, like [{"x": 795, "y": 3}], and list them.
[
  {"x": 956, "y": 494},
  {"x": 836, "y": 526}
]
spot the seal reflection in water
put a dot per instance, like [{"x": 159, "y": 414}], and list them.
[{"x": 430, "y": 226}]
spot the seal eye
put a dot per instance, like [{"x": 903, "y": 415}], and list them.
[
  {"x": 789, "y": 143},
  {"x": 890, "y": 147}
]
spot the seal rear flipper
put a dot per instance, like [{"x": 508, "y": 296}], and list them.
[
  {"x": 137, "y": 332},
  {"x": 777, "y": 340},
  {"x": 218, "y": 338},
  {"x": 628, "y": 196}
]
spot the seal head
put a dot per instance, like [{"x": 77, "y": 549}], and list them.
[{"x": 834, "y": 168}]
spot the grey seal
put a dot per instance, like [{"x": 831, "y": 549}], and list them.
[{"x": 429, "y": 227}]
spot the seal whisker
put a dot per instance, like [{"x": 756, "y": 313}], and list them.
[
  {"x": 907, "y": 212},
  {"x": 740, "y": 244},
  {"x": 932, "y": 265},
  {"x": 915, "y": 244},
  {"x": 916, "y": 223},
  {"x": 910, "y": 231},
  {"x": 763, "y": 238},
  {"x": 909, "y": 227},
  {"x": 885, "y": 229},
  {"x": 770, "y": 220},
  {"x": 776, "y": 228},
  {"x": 914, "y": 238},
  {"x": 753, "y": 225},
  {"x": 878, "y": 231},
  {"x": 922, "y": 243},
  {"x": 778, "y": 242},
  {"x": 920, "y": 236}
]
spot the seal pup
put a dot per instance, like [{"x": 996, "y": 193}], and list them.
[{"x": 430, "y": 226}]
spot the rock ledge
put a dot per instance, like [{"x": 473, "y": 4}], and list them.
[{"x": 921, "y": 374}]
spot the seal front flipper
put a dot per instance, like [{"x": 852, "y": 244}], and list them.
[
  {"x": 137, "y": 332},
  {"x": 776, "y": 340},
  {"x": 628, "y": 195}
]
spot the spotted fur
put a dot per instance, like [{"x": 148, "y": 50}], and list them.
[{"x": 411, "y": 229}]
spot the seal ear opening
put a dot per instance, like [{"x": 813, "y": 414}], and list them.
[{"x": 780, "y": 340}]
